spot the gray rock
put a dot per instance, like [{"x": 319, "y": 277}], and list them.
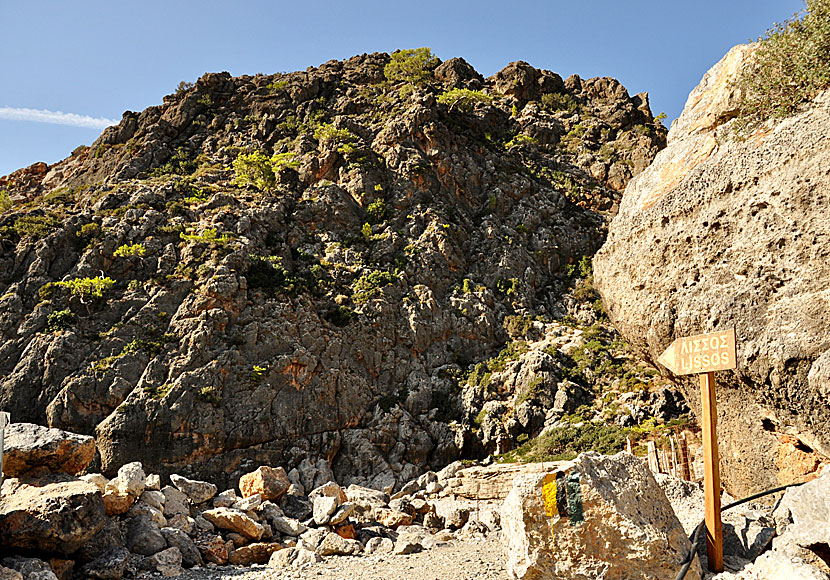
[
  {"x": 616, "y": 498},
  {"x": 808, "y": 507},
  {"x": 28, "y": 447},
  {"x": 186, "y": 524},
  {"x": 141, "y": 508},
  {"x": 144, "y": 536},
  {"x": 110, "y": 565},
  {"x": 341, "y": 514},
  {"x": 312, "y": 538},
  {"x": 225, "y": 499},
  {"x": 30, "y": 568},
  {"x": 334, "y": 545},
  {"x": 365, "y": 501},
  {"x": 379, "y": 545},
  {"x": 109, "y": 537},
  {"x": 167, "y": 562},
  {"x": 248, "y": 503},
  {"x": 131, "y": 479},
  {"x": 55, "y": 516},
  {"x": 153, "y": 498},
  {"x": 298, "y": 507},
  {"x": 203, "y": 524},
  {"x": 10, "y": 574},
  {"x": 153, "y": 482},
  {"x": 176, "y": 538},
  {"x": 324, "y": 507},
  {"x": 175, "y": 502},
  {"x": 293, "y": 558},
  {"x": 197, "y": 491},
  {"x": 409, "y": 542},
  {"x": 281, "y": 523}
]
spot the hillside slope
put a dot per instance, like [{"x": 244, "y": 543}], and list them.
[{"x": 205, "y": 308}]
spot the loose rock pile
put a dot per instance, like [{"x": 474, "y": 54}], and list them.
[{"x": 89, "y": 526}]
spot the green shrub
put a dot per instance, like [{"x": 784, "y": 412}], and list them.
[
  {"x": 209, "y": 394},
  {"x": 33, "y": 226},
  {"x": 183, "y": 87},
  {"x": 180, "y": 163},
  {"x": 369, "y": 285},
  {"x": 258, "y": 373},
  {"x": 277, "y": 86},
  {"x": 567, "y": 442},
  {"x": 5, "y": 201},
  {"x": 376, "y": 211},
  {"x": 412, "y": 65},
  {"x": 89, "y": 232},
  {"x": 341, "y": 316},
  {"x": 159, "y": 392},
  {"x": 559, "y": 102},
  {"x": 507, "y": 287},
  {"x": 208, "y": 236},
  {"x": 791, "y": 66},
  {"x": 88, "y": 287},
  {"x": 60, "y": 320},
  {"x": 205, "y": 100},
  {"x": 328, "y": 133},
  {"x": 130, "y": 250},
  {"x": 519, "y": 140},
  {"x": 255, "y": 170},
  {"x": 282, "y": 161},
  {"x": 464, "y": 99}
]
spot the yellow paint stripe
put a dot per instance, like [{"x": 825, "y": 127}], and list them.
[{"x": 549, "y": 494}]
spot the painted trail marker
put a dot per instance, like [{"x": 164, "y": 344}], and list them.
[{"x": 704, "y": 354}]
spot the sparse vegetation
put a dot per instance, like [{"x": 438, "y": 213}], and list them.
[
  {"x": 60, "y": 320},
  {"x": 5, "y": 201},
  {"x": 559, "y": 102},
  {"x": 128, "y": 250},
  {"x": 464, "y": 99},
  {"x": 255, "y": 170},
  {"x": 33, "y": 226},
  {"x": 791, "y": 66},
  {"x": 413, "y": 65},
  {"x": 87, "y": 288}
]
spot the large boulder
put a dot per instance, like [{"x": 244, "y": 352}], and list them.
[
  {"x": 269, "y": 482},
  {"x": 597, "y": 517},
  {"x": 55, "y": 517},
  {"x": 28, "y": 447},
  {"x": 724, "y": 232}
]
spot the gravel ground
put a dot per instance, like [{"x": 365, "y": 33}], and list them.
[{"x": 472, "y": 559}]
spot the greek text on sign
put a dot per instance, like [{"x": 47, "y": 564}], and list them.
[{"x": 701, "y": 354}]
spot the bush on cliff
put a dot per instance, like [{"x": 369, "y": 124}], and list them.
[{"x": 791, "y": 66}]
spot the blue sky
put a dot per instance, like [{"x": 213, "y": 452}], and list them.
[{"x": 97, "y": 59}]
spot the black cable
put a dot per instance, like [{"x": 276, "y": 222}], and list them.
[{"x": 697, "y": 534}]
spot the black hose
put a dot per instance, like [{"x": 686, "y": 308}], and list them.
[{"x": 697, "y": 535}]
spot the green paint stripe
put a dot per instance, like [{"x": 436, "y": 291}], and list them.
[{"x": 575, "y": 499}]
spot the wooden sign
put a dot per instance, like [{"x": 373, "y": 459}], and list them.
[{"x": 703, "y": 353}]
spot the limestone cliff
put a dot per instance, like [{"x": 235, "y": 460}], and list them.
[{"x": 722, "y": 231}]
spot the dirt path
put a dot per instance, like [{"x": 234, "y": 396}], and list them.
[{"x": 456, "y": 560}]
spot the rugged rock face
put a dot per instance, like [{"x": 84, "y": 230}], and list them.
[
  {"x": 721, "y": 232},
  {"x": 324, "y": 311}
]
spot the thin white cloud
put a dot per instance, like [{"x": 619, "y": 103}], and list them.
[{"x": 54, "y": 117}]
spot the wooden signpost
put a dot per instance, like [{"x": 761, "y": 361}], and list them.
[{"x": 704, "y": 354}]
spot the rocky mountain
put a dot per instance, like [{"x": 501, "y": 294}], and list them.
[
  {"x": 307, "y": 268},
  {"x": 729, "y": 230}
]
